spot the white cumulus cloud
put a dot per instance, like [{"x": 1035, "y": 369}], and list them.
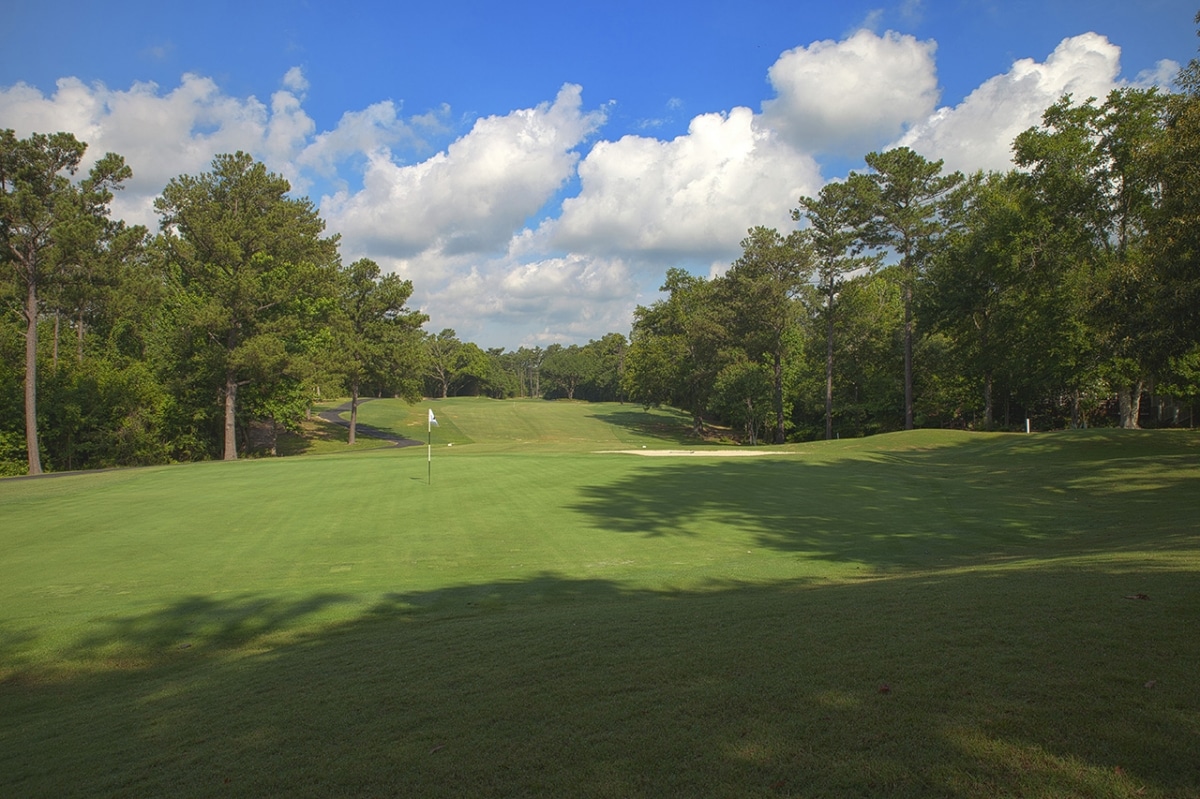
[
  {"x": 849, "y": 97},
  {"x": 516, "y": 300},
  {"x": 695, "y": 195},
  {"x": 162, "y": 135},
  {"x": 376, "y": 128},
  {"x": 473, "y": 196},
  {"x": 165, "y": 133},
  {"x": 978, "y": 132},
  {"x": 458, "y": 223}
]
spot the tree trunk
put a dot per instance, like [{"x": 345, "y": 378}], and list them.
[
  {"x": 79, "y": 335},
  {"x": 987, "y": 400},
  {"x": 54, "y": 350},
  {"x": 230, "y": 418},
  {"x": 31, "y": 433},
  {"x": 778, "y": 398},
  {"x": 829, "y": 366},
  {"x": 1129, "y": 400},
  {"x": 353, "y": 413},
  {"x": 908, "y": 357}
]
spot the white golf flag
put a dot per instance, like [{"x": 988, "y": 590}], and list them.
[{"x": 432, "y": 420}]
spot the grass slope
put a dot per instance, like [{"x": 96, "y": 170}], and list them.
[
  {"x": 919, "y": 614},
  {"x": 516, "y": 425}
]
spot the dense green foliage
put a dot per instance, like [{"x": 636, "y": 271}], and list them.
[
  {"x": 1063, "y": 292},
  {"x": 377, "y": 336},
  {"x": 203, "y": 341},
  {"x": 251, "y": 275}
]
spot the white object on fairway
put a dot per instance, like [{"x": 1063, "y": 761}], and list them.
[{"x": 429, "y": 458}]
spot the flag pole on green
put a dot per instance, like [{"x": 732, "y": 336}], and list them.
[{"x": 429, "y": 460}]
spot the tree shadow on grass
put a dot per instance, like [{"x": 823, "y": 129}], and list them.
[
  {"x": 665, "y": 426},
  {"x": 327, "y": 429},
  {"x": 1009, "y": 683},
  {"x": 996, "y": 680},
  {"x": 930, "y": 507},
  {"x": 200, "y": 622}
]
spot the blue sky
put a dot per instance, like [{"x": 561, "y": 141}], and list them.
[{"x": 535, "y": 167}]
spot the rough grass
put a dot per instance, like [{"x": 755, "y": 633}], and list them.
[{"x": 923, "y": 614}]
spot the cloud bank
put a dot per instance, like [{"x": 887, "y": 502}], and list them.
[{"x": 531, "y": 226}]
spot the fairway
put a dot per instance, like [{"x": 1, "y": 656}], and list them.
[{"x": 932, "y": 613}]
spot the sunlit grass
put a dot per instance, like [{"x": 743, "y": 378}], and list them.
[
  {"x": 925, "y": 614},
  {"x": 525, "y": 425}
]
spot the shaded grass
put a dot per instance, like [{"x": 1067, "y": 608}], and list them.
[
  {"x": 997, "y": 687},
  {"x": 411, "y": 421},
  {"x": 545, "y": 621},
  {"x": 943, "y": 499},
  {"x": 318, "y": 437}
]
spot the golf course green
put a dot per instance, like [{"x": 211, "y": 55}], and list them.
[{"x": 543, "y": 609}]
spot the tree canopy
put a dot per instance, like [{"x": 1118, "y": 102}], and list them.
[
  {"x": 1065, "y": 290},
  {"x": 250, "y": 268}
]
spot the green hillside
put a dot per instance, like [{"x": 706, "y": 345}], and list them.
[{"x": 919, "y": 614}]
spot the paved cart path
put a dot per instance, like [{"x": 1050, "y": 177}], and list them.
[{"x": 333, "y": 416}]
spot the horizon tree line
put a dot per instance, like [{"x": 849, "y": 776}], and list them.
[{"x": 1066, "y": 289}]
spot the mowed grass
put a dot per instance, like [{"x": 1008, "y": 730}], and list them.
[
  {"x": 920, "y": 614},
  {"x": 531, "y": 425}
]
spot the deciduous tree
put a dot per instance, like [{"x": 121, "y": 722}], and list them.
[
  {"x": 252, "y": 264},
  {"x": 569, "y": 367},
  {"x": 675, "y": 349},
  {"x": 1176, "y": 227},
  {"x": 377, "y": 337},
  {"x": 40, "y": 210},
  {"x": 759, "y": 294},
  {"x": 1099, "y": 167}
]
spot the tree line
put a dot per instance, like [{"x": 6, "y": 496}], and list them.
[
  {"x": 210, "y": 337},
  {"x": 127, "y": 348},
  {"x": 1065, "y": 290}
]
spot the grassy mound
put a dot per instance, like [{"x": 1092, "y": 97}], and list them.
[{"x": 921, "y": 614}]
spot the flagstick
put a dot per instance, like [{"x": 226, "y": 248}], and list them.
[{"x": 429, "y": 429}]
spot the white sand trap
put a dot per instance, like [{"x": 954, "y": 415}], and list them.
[{"x": 693, "y": 453}]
